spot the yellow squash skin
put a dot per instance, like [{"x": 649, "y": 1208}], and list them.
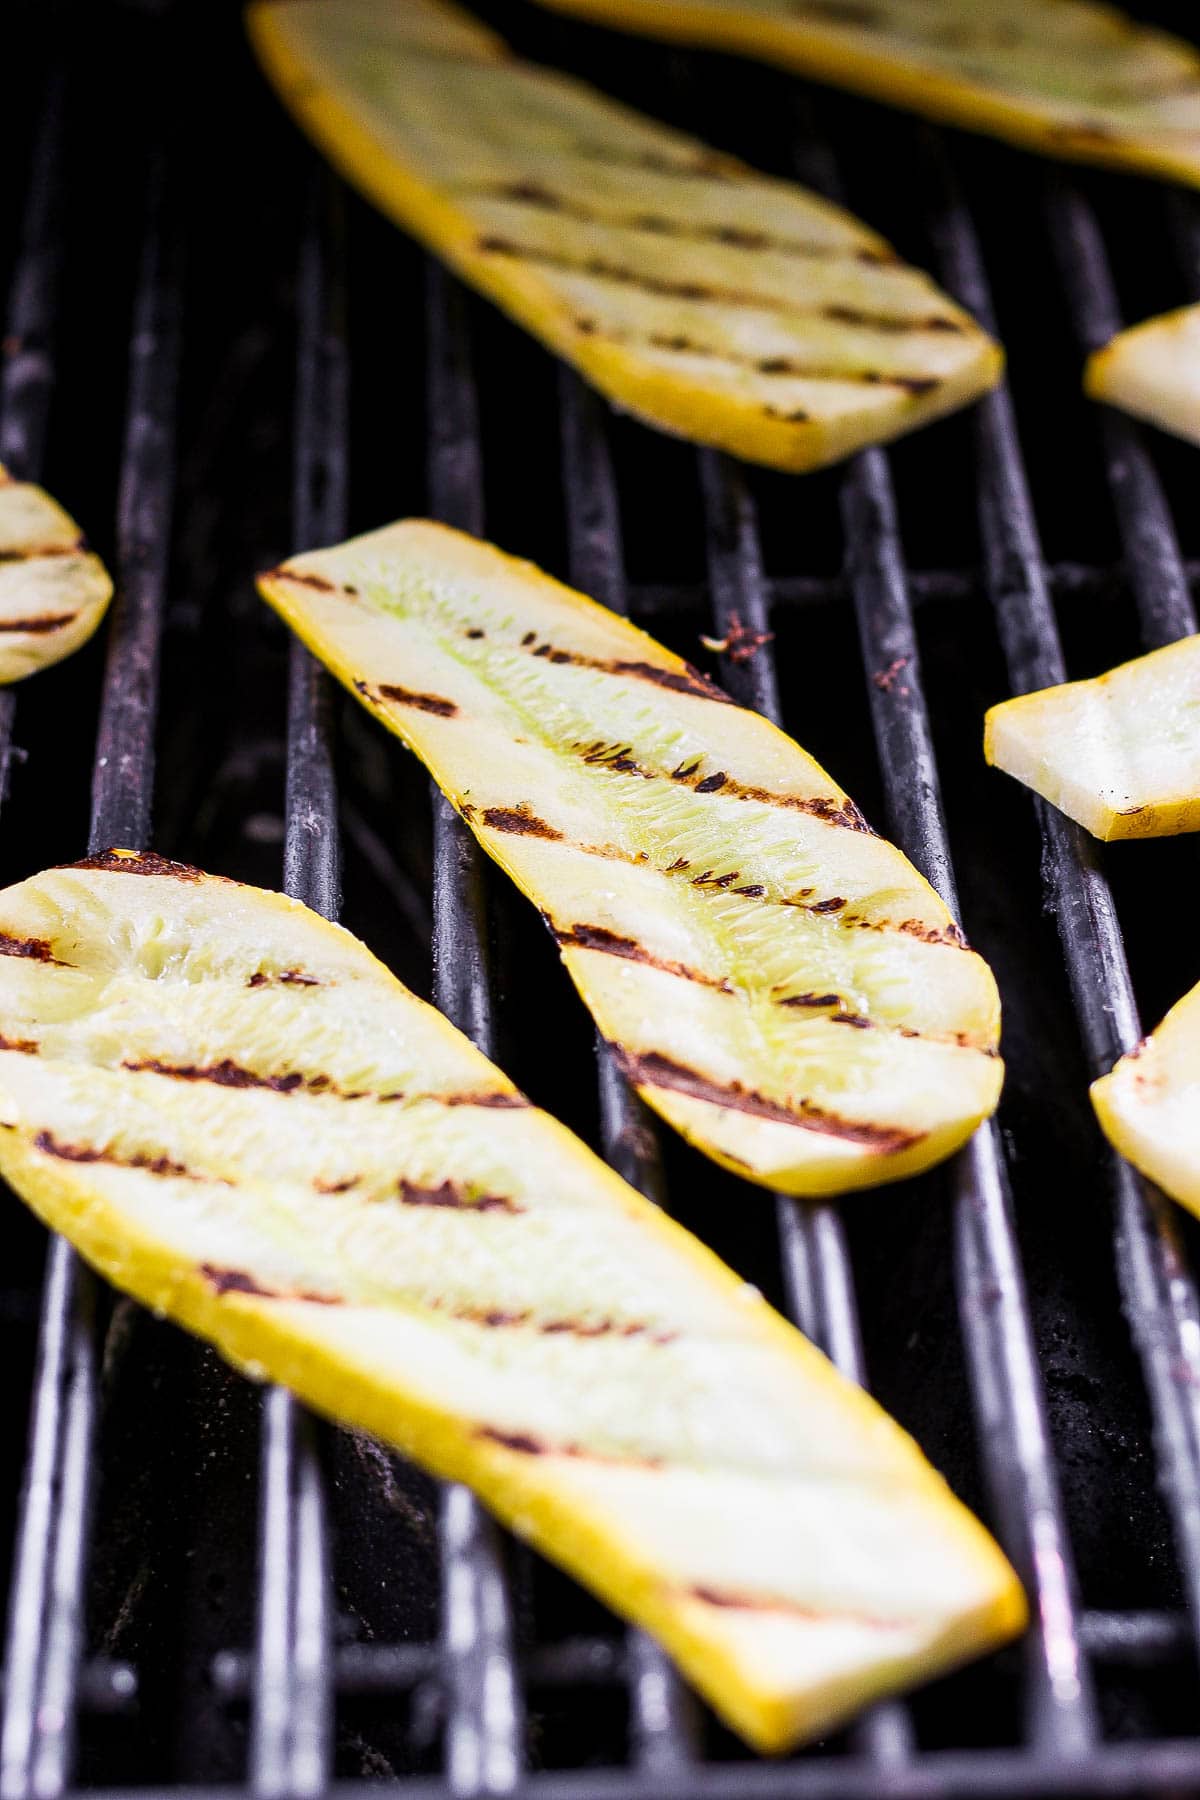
[
  {"x": 240, "y": 1117},
  {"x": 1149, "y": 1104},
  {"x": 715, "y": 303},
  {"x": 53, "y": 593},
  {"x": 1065, "y": 77},
  {"x": 1153, "y": 371},
  {"x": 779, "y": 983},
  {"x": 1120, "y": 753}
]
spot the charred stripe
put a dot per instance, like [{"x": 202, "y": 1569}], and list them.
[
  {"x": 611, "y": 943},
  {"x": 453, "y": 1195},
  {"x": 402, "y": 696},
  {"x": 32, "y": 949},
  {"x": 237, "y": 1281},
  {"x": 46, "y": 1142}
]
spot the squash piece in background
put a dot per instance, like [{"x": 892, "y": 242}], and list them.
[
  {"x": 721, "y": 305},
  {"x": 1065, "y": 77},
  {"x": 1149, "y": 1104},
  {"x": 1152, "y": 370},
  {"x": 1119, "y": 753},
  {"x": 53, "y": 592}
]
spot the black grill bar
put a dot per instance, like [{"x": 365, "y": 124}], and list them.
[
  {"x": 665, "y": 1725},
  {"x": 1157, "y": 1288},
  {"x": 45, "y": 1630},
  {"x": 484, "y": 1724},
  {"x": 1155, "y": 568},
  {"x": 812, "y": 1240},
  {"x": 292, "y": 1723}
]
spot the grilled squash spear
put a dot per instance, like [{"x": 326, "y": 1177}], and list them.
[
  {"x": 780, "y": 983},
  {"x": 53, "y": 593},
  {"x": 1070, "y": 78},
  {"x": 718, "y": 304},
  {"x": 1149, "y": 1104},
  {"x": 243, "y": 1119},
  {"x": 1119, "y": 753},
  {"x": 1153, "y": 371}
]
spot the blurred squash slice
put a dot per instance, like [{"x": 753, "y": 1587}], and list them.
[
  {"x": 713, "y": 302},
  {"x": 240, "y": 1117},
  {"x": 1119, "y": 753},
  {"x": 1149, "y": 1104},
  {"x": 779, "y": 983},
  {"x": 1066, "y": 77},
  {"x": 53, "y": 592},
  {"x": 1152, "y": 370}
]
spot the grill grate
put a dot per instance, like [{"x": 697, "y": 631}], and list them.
[{"x": 524, "y": 1685}]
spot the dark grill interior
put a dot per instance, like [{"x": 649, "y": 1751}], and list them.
[{"x": 214, "y": 356}]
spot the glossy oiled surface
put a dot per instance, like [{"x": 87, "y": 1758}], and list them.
[
  {"x": 243, "y": 1119},
  {"x": 722, "y": 305},
  {"x": 779, "y": 982}
]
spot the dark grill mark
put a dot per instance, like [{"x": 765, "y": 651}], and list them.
[
  {"x": 285, "y": 978},
  {"x": 513, "y": 1440},
  {"x": 652, "y": 1069},
  {"x": 40, "y": 625},
  {"x": 500, "y": 1102},
  {"x": 599, "y": 937},
  {"x": 304, "y": 579},
  {"x": 740, "y": 237},
  {"x": 768, "y": 1603},
  {"x": 430, "y": 703},
  {"x": 227, "y": 1073},
  {"x": 26, "y": 1046},
  {"x": 518, "y": 820},
  {"x": 681, "y": 681},
  {"x": 32, "y": 552},
  {"x": 711, "y": 783},
  {"x": 598, "y": 268},
  {"x": 583, "y": 1328},
  {"x": 236, "y": 1281},
  {"x": 812, "y": 1000},
  {"x": 88, "y": 1153},
  {"x": 452, "y": 1194},
  {"x": 31, "y": 948},
  {"x": 141, "y": 862}
]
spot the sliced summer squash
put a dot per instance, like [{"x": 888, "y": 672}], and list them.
[
  {"x": 1149, "y": 1104},
  {"x": 716, "y": 303},
  {"x": 1119, "y": 753},
  {"x": 53, "y": 593},
  {"x": 778, "y": 982},
  {"x": 1153, "y": 371},
  {"x": 241, "y": 1117},
  {"x": 1065, "y": 77}
]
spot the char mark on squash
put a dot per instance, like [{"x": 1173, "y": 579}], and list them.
[
  {"x": 520, "y": 821},
  {"x": 525, "y": 1444},
  {"x": 705, "y": 164},
  {"x": 520, "y": 1441},
  {"x": 285, "y": 978},
  {"x": 36, "y": 552},
  {"x": 726, "y": 1599},
  {"x": 25, "y": 1046},
  {"x": 91, "y": 1153},
  {"x": 611, "y": 943},
  {"x": 813, "y": 1000},
  {"x": 230, "y": 1074},
  {"x": 41, "y": 624},
  {"x": 31, "y": 949},
  {"x": 497, "y": 1102},
  {"x": 237, "y": 1281},
  {"x": 495, "y": 1319},
  {"x": 686, "y": 680},
  {"x": 304, "y": 578},
  {"x": 402, "y": 696},
  {"x": 455, "y": 1196},
  {"x": 141, "y": 862},
  {"x": 653, "y": 1069}
]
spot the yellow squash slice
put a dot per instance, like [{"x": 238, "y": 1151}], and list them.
[
  {"x": 1149, "y": 1104},
  {"x": 779, "y": 983},
  {"x": 1153, "y": 371},
  {"x": 53, "y": 593},
  {"x": 716, "y": 303},
  {"x": 1119, "y": 753},
  {"x": 1065, "y": 77},
  {"x": 241, "y": 1117}
]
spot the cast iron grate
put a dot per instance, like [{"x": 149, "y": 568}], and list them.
[{"x": 293, "y": 371}]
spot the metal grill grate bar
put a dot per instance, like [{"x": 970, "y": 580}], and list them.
[
  {"x": 665, "y": 1723},
  {"x": 46, "y": 1612},
  {"x": 1158, "y": 1292},
  {"x": 291, "y": 1735},
  {"x": 484, "y": 1727}
]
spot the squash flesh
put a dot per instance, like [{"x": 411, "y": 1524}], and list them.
[
  {"x": 716, "y": 303},
  {"x": 1149, "y": 1104},
  {"x": 1119, "y": 753},
  {"x": 241, "y": 1118},
  {"x": 778, "y": 982},
  {"x": 53, "y": 592},
  {"x": 1072, "y": 79},
  {"x": 1152, "y": 370}
]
